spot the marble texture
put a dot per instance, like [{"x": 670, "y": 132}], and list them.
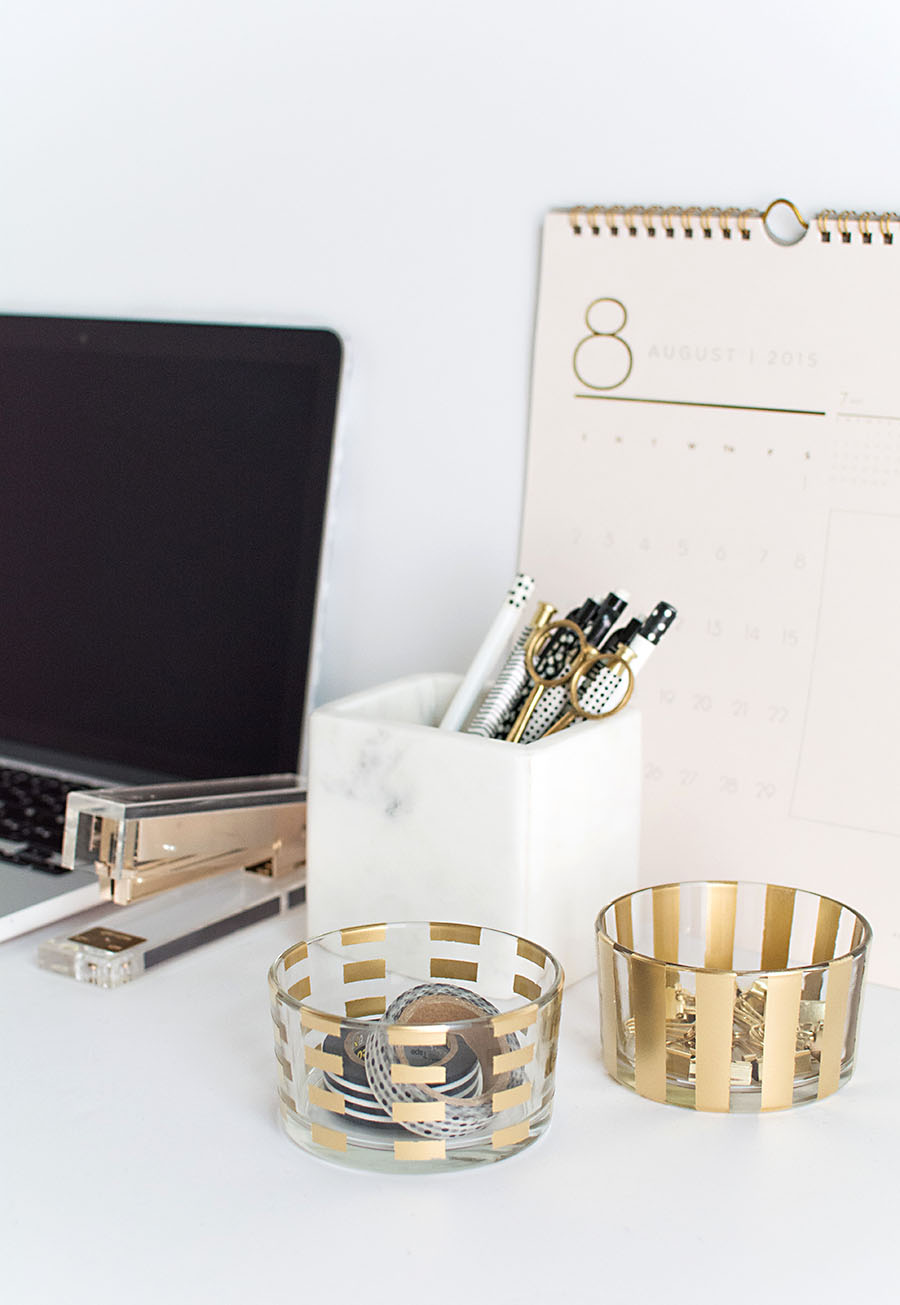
[{"x": 408, "y": 822}]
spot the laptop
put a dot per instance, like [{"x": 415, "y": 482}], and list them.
[{"x": 163, "y": 492}]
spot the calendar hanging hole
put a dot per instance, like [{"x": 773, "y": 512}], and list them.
[{"x": 784, "y": 223}]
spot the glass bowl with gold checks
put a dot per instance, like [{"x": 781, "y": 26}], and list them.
[{"x": 415, "y": 1046}]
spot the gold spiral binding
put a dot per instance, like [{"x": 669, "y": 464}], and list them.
[
  {"x": 673, "y": 221},
  {"x": 822, "y": 220},
  {"x": 657, "y": 219},
  {"x": 648, "y": 215},
  {"x": 744, "y": 219},
  {"x": 725, "y": 220},
  {"x": 706, "y": 221}
]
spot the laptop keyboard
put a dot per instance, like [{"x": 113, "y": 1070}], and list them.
[{"x": 32, "y": 816}]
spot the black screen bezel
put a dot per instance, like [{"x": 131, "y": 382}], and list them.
[{"x": 319, "y": 349}]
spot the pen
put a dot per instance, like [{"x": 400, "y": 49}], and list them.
[
  {"x": 500, "y": 704},
  {"x": 625, "y": 634},
  {"x": 554, "y": 701},
  {"x": 487, "y": 656},
  {"x": 604, "y": 688}
]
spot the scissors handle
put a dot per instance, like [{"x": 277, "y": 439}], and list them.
[
  {"x": 536, "y": 644},
  {"x": 586, "y": 662}
]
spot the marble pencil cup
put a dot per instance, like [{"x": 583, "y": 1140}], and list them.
[
  {"x": 407, "y": 821},
  {"x": 730, "y": 997},
  {"x": 411, "y": 1047}
]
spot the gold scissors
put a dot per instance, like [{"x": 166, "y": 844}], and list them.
[{"x": 583, "y": 659}]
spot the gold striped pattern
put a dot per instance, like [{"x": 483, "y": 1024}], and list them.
[
  {"x": 510, "y": 1136},
  {"x": 462, "y": 933},
  {"x": 424, "y": 1150},
  {"x": 332, "y": 1101},
  {"x": 360, "y": 1007},
  {"x": 416, "y": 1035},
  {"x": 444, "y": 967},
  {"x": 329, "y": 1137},
  {"x": 294, "y": 954},
  {"x": 721, "y": 911},
  {"x": 418, "y": 1074},
  {"x": 779, "y": 920},
  {"x": 666, "y": 911},
  {"x": 714, "y": 1033},
  {"x": 316, "y": 1058},
  {"x": 624, "y": 925},
  {"x": 656, "y": 1000},
  {"x": 285, "y": 1067},
  {"x": 648, "y": 994},
  {"x": 608, "y": 1023},
  {"x": 300, "y": 989},
  {"x": 514, "y": 1021},
  {"x": 827, "y": 922},
  {"x": 280, "y": 1028},
  {"x": 836, "y": 995},
  {"x": 358, "y": 971},
  {"x": 310, "y": 1019},
  {"x": 526, "y": 988},
  {"x": 508, "y": 1060},
  {"x": 514, "y": 1096},
  {"x": 419, "y": 1112},
  {"x": 529, "y": 951},
  {"x": 363, "y": 933},
  {"x": 780, "y": 1037}
]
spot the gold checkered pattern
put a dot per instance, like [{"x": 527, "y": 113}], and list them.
[{"x": 319, "y": 992}]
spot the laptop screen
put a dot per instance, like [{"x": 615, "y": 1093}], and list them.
[{"x": 162, "y": 501}]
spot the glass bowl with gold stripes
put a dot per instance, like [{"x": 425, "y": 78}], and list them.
[
  {"x": 730, "y": 996},
  {"x": 415, "y": 1046}
]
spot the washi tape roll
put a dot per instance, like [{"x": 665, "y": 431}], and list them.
[
  {"x": 447, "y": 1115},
  {"x": 457, "y": 1060}
]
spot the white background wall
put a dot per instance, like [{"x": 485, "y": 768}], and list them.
[{"x": 382, "y": 167}]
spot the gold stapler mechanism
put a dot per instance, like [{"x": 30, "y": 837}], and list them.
[{"x": 142, "y": 841}]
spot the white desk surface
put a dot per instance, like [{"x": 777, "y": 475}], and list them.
[{"x": 141, "y": 1159}]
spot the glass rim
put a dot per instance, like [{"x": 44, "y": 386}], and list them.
[
  {"x": 812, "y": 967},
  {"x": 357, "y": 1022}
]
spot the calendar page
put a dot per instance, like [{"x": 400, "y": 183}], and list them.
[{"x": 715, "y": 422}]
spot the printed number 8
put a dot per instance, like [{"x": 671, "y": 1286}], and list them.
[{"x": 599, "y": 356}]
